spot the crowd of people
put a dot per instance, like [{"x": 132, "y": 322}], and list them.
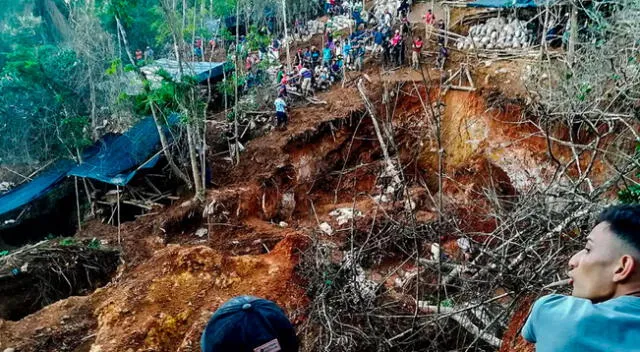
[{"x": 384, "y": 38}]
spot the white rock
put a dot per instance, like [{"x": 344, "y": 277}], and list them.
[
  {"x": 283, "y": 224},
  {"x": 435, "y": 251},
  {"x": 201, "y": 232},
  {"x": 10, "y": 349},
  {"x": 464, "y": 244},
  {"x": 326, "y": 228}
]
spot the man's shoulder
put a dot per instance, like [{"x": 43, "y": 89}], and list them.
[{"x": 556, "y": 301}]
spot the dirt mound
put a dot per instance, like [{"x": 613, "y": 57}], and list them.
[{"x": 163, "y": 304}]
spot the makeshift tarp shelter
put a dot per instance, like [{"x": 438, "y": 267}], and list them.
[
  {"x": 506, "y": 3},
  {"x": 118, "y": 159},
  {"x": 114, "y": 159},
  {"x": 36, "y": 188},
  {"x": 200, "y": 70}
]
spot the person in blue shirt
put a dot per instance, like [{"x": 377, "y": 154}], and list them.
[
  {"x": 326, "y": 56},
  {"x": 315, "y": 57},
  {"x": 281, "y": 112},
  {"x": 378, "y": 38},
  {"x": 346, "y": 52},
  {"x": 603, "y": 311}
]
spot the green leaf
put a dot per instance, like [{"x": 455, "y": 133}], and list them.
[
  {"x": 94, "y": 244},
  {"x": 447, "y": 303},
  {"x": 65, "y": 242}
]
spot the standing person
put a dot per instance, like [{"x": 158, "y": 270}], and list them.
[
  {"x": 443, "y": 53},
  {"x": 280, "y": 74},
  {"x": 299, "y": 58},
  {"x": 415, "y": 52},
  {"x": 387, "y": 19},
  {"x": 358, "y": 54},
  {"x": 197, "y": 47},
  {"x": 403, "y": 9},
  {"x": 402, "y": 48},
  {"x": 245, "y": 324},
  {"x": 326, "y": 56},
  {"x": 378, "y": 38},
  {"x": 337, "y": 48},
  {"x": 396, "y": 38},
  {"x": 405, "y": 27},
  {"x": 282, "y": 86},
  {"x": 441, "y": 31},
  {"x": 386, "y": 53},
  {"x": 429, "y": 20},
  {"x": 307, "y": 56},
  {"x": 281, "y": 112},
  {"x": 139, "y": 57},
  {"x": 346, "y": 52},
  {"x": 306, "y": 74},
  {"x": 603, "y": 311},
  {"x": 315, "y": 57},
  {"x": 148, "y": 54}
]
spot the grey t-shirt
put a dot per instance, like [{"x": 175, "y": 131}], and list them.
[{"x": 570, "y": 324}]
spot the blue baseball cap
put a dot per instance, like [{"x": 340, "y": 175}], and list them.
[{"x": 249, "y": 324}]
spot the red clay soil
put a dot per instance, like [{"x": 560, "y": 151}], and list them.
[
  {"x": 162, "y": 304},
  {"x": 264, "y": 155},
  {"x": 512, "y": 340},
  {"x": 172, "y": 281}
]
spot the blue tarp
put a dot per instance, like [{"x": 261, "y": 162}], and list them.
[
  {"x": 36, "y": 188},
  {"x": 114, "y": 159},
  {"x": 504, "y": 3},
  {"x": 118, "y": 159}
]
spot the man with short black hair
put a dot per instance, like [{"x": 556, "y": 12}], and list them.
[
  {"x": 603, "y": 313},
  {"x": 281, "y": 112},
  {"x": 249, "y": 324}
]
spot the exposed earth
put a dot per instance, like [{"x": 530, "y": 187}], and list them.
[{"x": 289, "y": 192}]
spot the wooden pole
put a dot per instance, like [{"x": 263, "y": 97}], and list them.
[
  {"x": 286, "y": 35},
  {"x": 448, "y": 20},
  {"x": 75, "y": 178},
  {"x": 572, "y": 34},
  {"x": 385, "y": 152},
  {"x": 543, "y": 42},
  {"x": 235, "y": 84},
  {"x": 118, "y": 209}
]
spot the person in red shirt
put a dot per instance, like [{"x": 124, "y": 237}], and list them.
[
  {"x": 429, "y": 20},
  {"x": 415, "y": 52}
]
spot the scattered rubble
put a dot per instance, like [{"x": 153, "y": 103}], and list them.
[{"x": 345, "y": 215}]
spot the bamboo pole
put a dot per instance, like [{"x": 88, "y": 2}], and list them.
[
  {"x": 286, "y": 35},
  {"x": 75, "y": 179},
  {"x": 118, "y": 210},
  {"x": 572, "y": 34},
  {"x": 235, "y": 84}
]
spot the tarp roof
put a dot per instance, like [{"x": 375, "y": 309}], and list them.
[
  {"x": 36, "y": 188},
  {"x": 114, "y": 159},
  {"x": 118, "y": 159},
  {"x": 506, "y": 3},
  {"x": 200, "y": 70}
]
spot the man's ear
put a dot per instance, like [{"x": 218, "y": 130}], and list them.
[{"x": 625, "y": 268}]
